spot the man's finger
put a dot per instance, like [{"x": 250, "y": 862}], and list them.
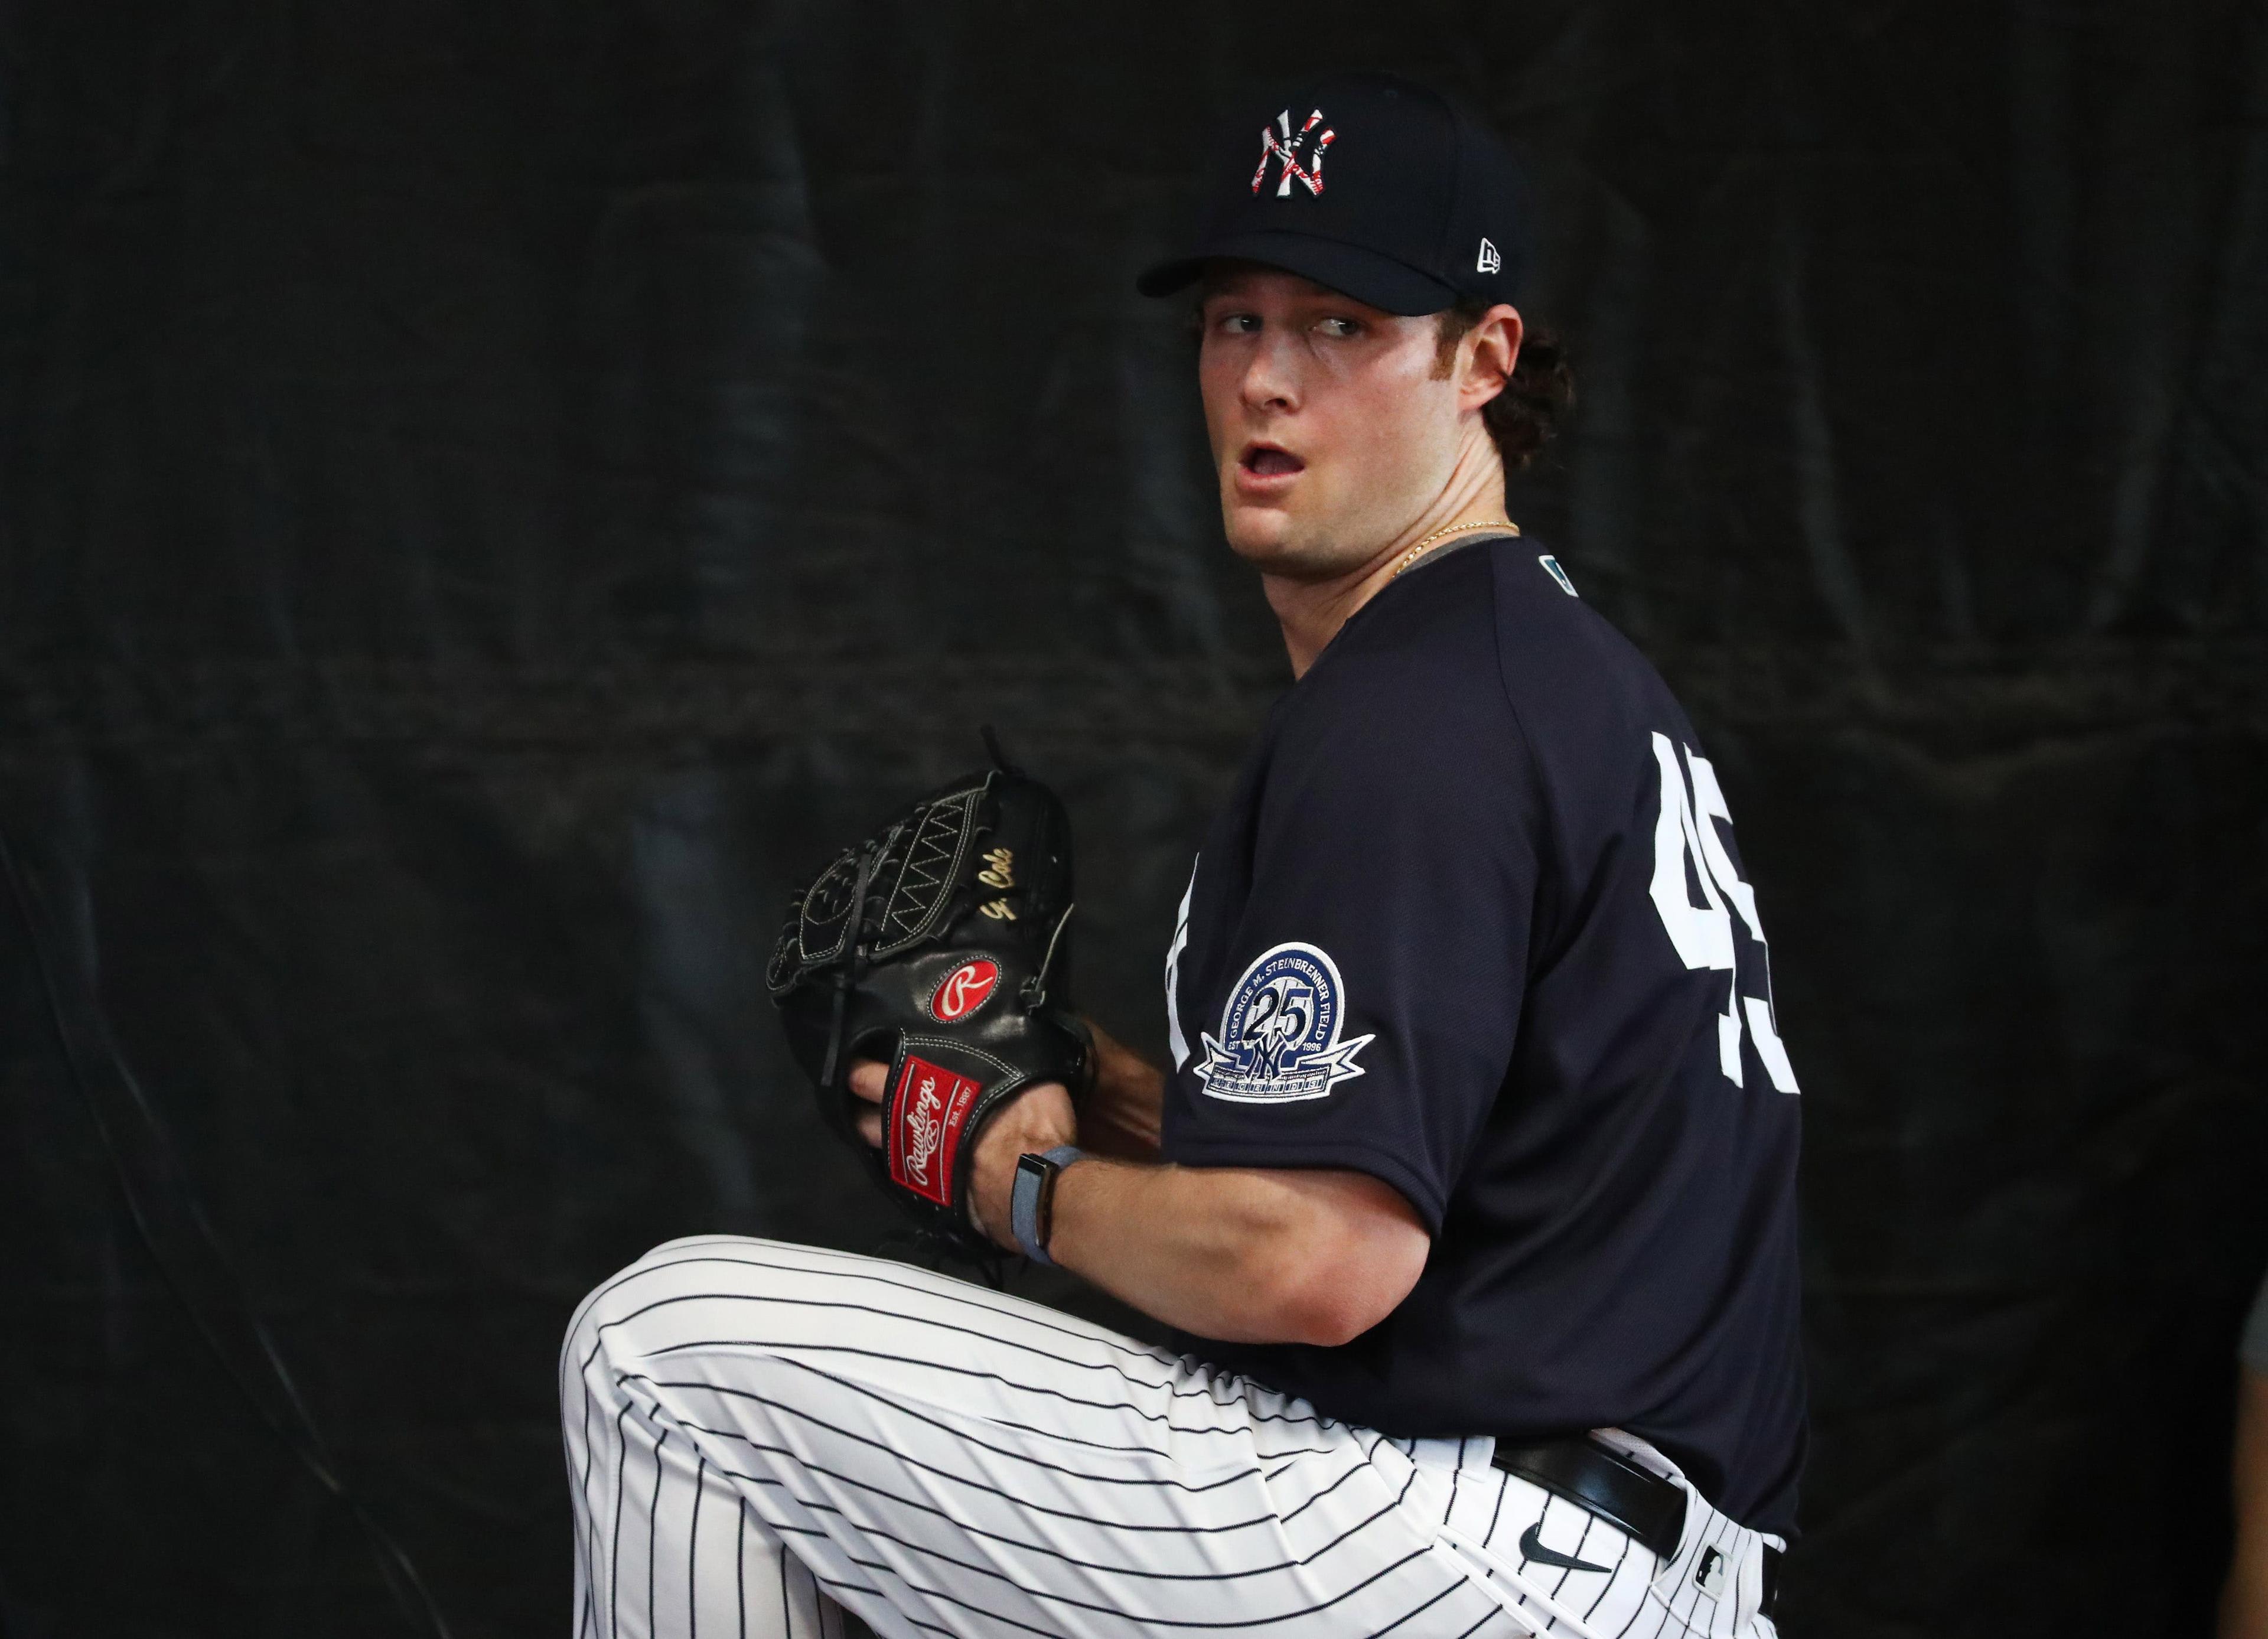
[
  {"x": 870, "y": 1127},
  {"x": 868, "y": 1078}
]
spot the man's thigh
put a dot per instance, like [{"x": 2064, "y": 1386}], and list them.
[{"x": 944, "y": 1459}]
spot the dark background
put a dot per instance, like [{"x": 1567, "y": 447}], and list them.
[{"x": 490, "y": 489}]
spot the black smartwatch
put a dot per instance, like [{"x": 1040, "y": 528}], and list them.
[{"x": 1032, "y": 1207}]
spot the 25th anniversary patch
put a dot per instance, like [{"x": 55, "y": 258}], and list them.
[{"x": 1279, "y": 1032}]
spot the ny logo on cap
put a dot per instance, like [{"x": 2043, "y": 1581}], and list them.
[{"x": 1278, "y": 143}]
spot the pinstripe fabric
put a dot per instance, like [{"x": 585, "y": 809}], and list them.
[{"x": 757, "y": 1434}]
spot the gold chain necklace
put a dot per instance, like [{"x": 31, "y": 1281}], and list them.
[{"x": 1418, "y": 551}]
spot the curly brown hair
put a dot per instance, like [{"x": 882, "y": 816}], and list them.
[{"x": 1543, "y": 386}]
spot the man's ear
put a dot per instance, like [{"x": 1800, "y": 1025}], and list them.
[{"x": 1492, "y": 351}]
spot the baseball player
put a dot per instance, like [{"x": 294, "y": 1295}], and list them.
[{"x": 1469, "y": 1190}]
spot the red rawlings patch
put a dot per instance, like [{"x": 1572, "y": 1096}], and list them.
[
  {"x": 964, "y": 990},
  {"x": 928, "y": 1114}
]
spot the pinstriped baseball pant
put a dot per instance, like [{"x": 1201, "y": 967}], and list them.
[{"x": 758, "y": 1432}]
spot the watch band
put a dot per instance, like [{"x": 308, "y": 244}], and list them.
[{"x": 1031, "y": 1207}]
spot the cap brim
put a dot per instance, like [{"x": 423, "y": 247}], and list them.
[{"x": 1375, "y": 280}]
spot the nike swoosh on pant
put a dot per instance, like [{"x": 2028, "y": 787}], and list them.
[{"x": 1531, "y": 1547}]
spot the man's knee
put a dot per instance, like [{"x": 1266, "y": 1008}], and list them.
[
  {"x": 642, "y": 1306},
  {"x": 731, "y": 1289}
]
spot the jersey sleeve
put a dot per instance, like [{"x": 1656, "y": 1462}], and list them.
[{"x": 1361, "y": 1007}]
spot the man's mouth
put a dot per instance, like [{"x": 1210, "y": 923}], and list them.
[{"x": 1267, "y": 460}]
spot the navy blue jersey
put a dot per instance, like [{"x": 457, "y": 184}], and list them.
[{"x": 1473, "y": 922}]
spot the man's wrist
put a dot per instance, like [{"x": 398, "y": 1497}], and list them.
[
  {"x": 1031, "y": 1210},
  {"x": 1035, "y": 1121}
]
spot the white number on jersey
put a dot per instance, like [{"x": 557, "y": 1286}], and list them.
[{"x": 1686, "y": 830}]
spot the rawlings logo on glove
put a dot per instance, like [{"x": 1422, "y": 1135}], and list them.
[
  {"x": 966, "y": 988},
  {"x": 931, "y": 1105}
]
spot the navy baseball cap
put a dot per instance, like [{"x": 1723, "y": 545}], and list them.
[{"x": 1370, "y": 184}]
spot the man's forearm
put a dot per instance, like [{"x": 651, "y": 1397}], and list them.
[
  {"x": 1244, "y": 1255},
  {"x": 1263, "y": 1255}
]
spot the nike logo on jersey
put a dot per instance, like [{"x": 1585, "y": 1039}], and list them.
[{"x": 1531, "y": 1547}]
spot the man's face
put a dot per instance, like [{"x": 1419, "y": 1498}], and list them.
[{"x": 1331, "y": 430}]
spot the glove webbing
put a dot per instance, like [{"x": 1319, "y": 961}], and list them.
[{"x": 853, "y": 970}]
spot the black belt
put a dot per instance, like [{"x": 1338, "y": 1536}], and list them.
[{"x": 1648, "y": 1509}]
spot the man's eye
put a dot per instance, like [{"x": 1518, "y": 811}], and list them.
[
  {"x": 1340, "y": 329},
  {"x": 1239, "y": 323}
]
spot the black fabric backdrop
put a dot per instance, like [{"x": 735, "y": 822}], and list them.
[{"x": 491, "y": 490}]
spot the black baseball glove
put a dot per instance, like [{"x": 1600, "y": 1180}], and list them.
[{"x": 941, "y": 944}]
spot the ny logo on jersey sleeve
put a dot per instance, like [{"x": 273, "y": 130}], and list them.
[{"x": 1685, "y": 833}]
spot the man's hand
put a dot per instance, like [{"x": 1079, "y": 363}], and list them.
[{"x": 1035, "y": 1119}]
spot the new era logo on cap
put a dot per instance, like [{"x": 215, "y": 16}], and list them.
[{"x": 1422, "y": 206}]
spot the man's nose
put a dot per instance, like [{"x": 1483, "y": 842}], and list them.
[{"x": 1271, "y": 379}]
